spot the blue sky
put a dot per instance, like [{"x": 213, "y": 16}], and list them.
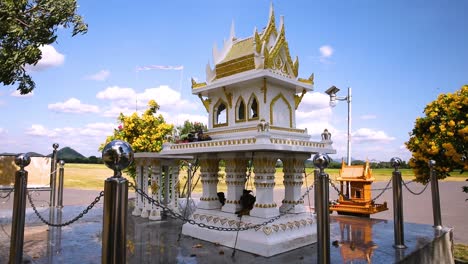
[{"x": 396, "y": 55}]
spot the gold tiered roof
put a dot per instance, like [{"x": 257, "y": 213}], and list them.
[{"x": 265, "y": 50}]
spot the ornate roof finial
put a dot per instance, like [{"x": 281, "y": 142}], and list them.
[
  {"x": 272, "y": 12},
  {"x": 271, "y": 27},
  {"x": 232, "y": 36}
]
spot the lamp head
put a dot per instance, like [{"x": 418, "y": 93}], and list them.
[{"x": 332, "y": 91}]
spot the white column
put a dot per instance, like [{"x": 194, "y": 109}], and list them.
[
  {"x": 174, "y": 182},
  {"x": 293, "y": 169},
  {"x": 155, "y": 213},
  {"x": 138, "y": 197},
  {"x": 264, "y": 167},
  {"x": 209, "y": 179},
  {"x": 236, "y": 167},
  {"x": 146, "y": 172}
]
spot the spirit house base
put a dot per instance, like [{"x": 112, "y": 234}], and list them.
[{"x": 289, "y": 232}]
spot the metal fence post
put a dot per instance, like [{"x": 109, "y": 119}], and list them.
[
  {"x": 435, "y": 196},
  {"x": 60, "y": 185},
  {"x": 321, "y": 161},
  {"x": 19, "y": 210},
  {"x": 53, "y": 175},
  {"x": 398, "y": 230},
  {"x": 316, "y": 179},
  {"x": 117, "y": 155}
]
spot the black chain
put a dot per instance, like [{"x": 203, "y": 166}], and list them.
[
  {"x": 387, "y": 187},
  {"x": 415, "y": 193},
  {"x": 176, "y": 215},
  {"x": 85, "y": 211},
  {"x": 7, "y": 195}
]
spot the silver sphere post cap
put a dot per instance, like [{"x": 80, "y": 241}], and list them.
[
  {"x": 396, "y": 162},
  {"x": 432, "y": 163},
  {"x": 321, "y": 160},
  {"x": 55, "y": 145},
  {"x": 62, "y": 163},
  {"x": 22, "y": 160},
  {"x": 117, "y": 155}
]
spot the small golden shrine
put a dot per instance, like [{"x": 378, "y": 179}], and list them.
[{"x": 355, "y": 191}]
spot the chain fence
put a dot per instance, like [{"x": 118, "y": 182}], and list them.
[
  {"x": 84, "y": 212},
  {"x": 413, "y": 192}
]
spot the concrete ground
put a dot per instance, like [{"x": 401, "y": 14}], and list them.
[
  {"x": 80, "y": 242},
  {"x": 417, "y": 208}
]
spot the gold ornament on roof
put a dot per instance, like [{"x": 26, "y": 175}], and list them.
[{"x": 197, "y": 85}]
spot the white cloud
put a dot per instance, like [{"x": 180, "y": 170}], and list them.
[
  {"x": 126, "y": 100},
  {"x": 326, "y": 51},
  {"x": 368, "y": 117},
  {"x": 160, "y": 67},
  {"x": 2, "y": 131},
  {"x": 50, "y": 58},
  {"x": 116, "y": 93},
  {"x": 370, "y": 135},
  {"x": 16, "y": 93},
  {"x": 73, "y": 105},
  {"x": 99, "y": 76},
  {"x": 39, "y": 130}
]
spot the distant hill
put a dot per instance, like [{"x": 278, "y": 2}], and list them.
[{"x": 68, "y": 153}]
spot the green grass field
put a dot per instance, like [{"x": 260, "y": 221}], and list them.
[{"x": 92, "y": 176}]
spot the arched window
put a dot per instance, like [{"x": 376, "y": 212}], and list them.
[
  {"x": 240, "y": 110},
  {"x": 220, "y": 115},
  {"x": 253, "y": 108},
  {"x": 281, "y": 112}
]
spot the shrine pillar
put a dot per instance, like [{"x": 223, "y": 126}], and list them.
[
  {"x": 145, "y": 172},
  {"x": 174, "y": 183},
  {"x": 155, "y": 212},
  {"x": 209, "y": 179},
  {"x": 264, "y": 168},
  {"x": 293, "y": 169},
  {"x": 236, "y": 166},
  {"x": 141, "y": 182}
]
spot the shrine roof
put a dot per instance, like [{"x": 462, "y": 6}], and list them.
[{"x": 240, "y": 48}]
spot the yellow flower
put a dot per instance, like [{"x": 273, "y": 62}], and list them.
[
  {"x": 442, "y": 128},
  {"x": 451, "y": 123}
]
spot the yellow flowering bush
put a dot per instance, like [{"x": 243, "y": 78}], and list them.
[
  {"x": 442, "y": 135},
  {"x": 145, "y": 133}
]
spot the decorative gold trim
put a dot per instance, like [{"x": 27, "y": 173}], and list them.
[
  {"x": 271, "y": 27},
  {"x": 228, "y": 97},
  {"x": 294, "y": 130},
  {"x": 310, "y": 80},
  {"x": 197, "y": 85},
  {"x": 258, "y": 42},
  {"x": 298, "y": 98},
  {"x": 302, "y": 143},
  {"x": 296, "y": 66},
  {"x": 235, "y": 66},
  {"x": 206, "y": 102},
  {"x": 280, "y": 95},
  {"x": 210, "y": 144}
]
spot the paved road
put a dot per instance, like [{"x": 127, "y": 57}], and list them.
[{"x": 417, "y": 209}]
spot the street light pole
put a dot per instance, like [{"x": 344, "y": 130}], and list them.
[
  {"x": 348, "y": 99},
  {"x": 332, "y": 91}
]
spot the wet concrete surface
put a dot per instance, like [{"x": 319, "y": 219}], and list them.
[
  {"x": 354, "y": 239},
  {"x": 157, "y": 241}
]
